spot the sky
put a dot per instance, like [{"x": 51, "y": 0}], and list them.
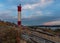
[{"x": 34, "y": 12}]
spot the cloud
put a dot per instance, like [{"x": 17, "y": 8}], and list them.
[
  {"x": 42, "y": 20},
  {"x": 29, "y": 6},
  {"x": 39, "y": 13},
  {"x": 44, "y": 13},
  {"x": 13, "y": 8},
  {"x": 41, "y": 3},
  {"x": 11, "y": 0},
  {"x": 46, "y": 2},
  {"x": 5, "y": 14},
  {"x": 1, "y": 5},
  {"x": 33, "y": 15},
  {"x": 52, "y": 23}
]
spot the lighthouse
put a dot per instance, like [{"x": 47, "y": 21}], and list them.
[
  {"x": 18, "y": 32},
  {"x": 19, "y": 24},
  {"x": 19, "y": 15}
]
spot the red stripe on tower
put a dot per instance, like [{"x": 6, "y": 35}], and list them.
[
  {"x": 19, "y": 8},
  {"x": 19, "y": 15},
  {"x": 19, "y": 22}
]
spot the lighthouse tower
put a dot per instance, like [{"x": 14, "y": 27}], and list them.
[
  {"x": 19, "y": 15},
  {"x": 19, "y": 24}
]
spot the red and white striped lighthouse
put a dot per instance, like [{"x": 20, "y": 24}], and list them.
[
  {"x": 19, "y": 15},
  {"x": 19, "y": 24}
]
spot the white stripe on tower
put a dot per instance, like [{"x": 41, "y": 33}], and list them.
[{"x": 19, "y": 16}]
